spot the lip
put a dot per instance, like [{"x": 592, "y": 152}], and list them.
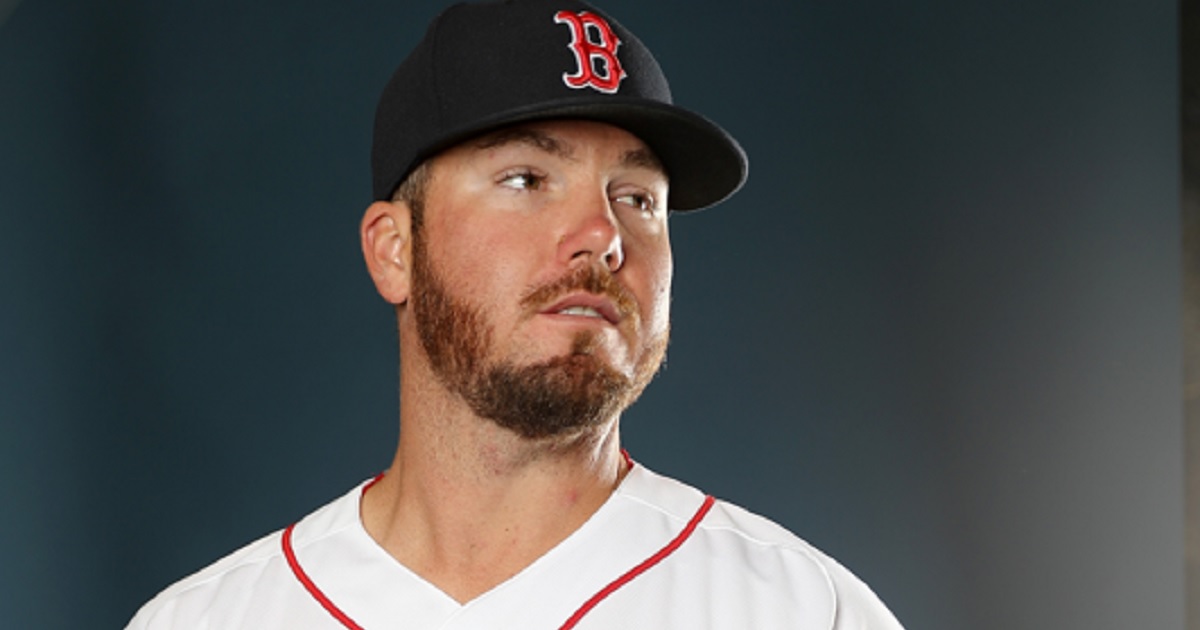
[{"x": 606, "y": 307}]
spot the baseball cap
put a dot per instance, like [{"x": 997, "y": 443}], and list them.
[{"x": 484, "y": 66}]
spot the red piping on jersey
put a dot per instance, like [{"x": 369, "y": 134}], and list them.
[
  {"x": 312, "y": 589},
  {"x": 641, "y": 568},
  {"x": 627, "y": 577},
  {"x": 309, "y": 585}
]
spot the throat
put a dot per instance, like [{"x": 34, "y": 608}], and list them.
[{"x": 468, "y": 536}]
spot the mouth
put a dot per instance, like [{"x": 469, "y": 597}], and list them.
[
  {"x": 586, "y": 305},
  {"x": 587, "y": 295}
]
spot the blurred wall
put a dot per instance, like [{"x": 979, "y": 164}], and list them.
[{"x": 937, "y": 334}]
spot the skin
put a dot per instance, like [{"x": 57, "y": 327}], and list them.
[{"x": 468, "y": 504}]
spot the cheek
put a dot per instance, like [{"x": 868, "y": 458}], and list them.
[
  {"x": 484, "y": 264},
  {"x": 658, "y": 304}
]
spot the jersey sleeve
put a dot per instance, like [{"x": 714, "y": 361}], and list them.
[{"x": 858, "y": 607}]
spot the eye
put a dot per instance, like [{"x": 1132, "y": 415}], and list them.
[
  {"x": 523, "y": 179},
  {"x": 641, "y": 201}
]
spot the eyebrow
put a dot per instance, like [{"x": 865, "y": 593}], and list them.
[
  {"x": 531, "y": 137},
  {"x": 643, "y": 158},
  {"x": 634, "y": 158}
]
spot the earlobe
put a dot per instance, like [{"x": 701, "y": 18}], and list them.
[{"x": 386, "y": 245}]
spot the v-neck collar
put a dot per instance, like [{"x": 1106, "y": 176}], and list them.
[{"x": 360, "y": 579}]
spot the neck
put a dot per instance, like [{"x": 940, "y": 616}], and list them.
[{"x": 467, "y": 504}]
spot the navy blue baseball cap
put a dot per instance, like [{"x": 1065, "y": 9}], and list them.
[{"x": 484, "y": 66}]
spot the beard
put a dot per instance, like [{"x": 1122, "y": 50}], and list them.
[{"x": 561, "y": 396}]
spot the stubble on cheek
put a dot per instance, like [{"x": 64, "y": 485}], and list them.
[{"x": 454, "y": 336}]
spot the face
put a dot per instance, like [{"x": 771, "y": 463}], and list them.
[{"x": 541, "y": 274}]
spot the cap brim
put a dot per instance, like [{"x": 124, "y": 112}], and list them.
[{"x": 705, "y": 164}]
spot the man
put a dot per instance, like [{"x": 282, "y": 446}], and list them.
[{"x": 525, "y": 157}]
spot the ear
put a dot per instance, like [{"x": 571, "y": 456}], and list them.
[{"x": 386, "y": 232}]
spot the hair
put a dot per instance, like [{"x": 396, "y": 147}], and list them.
[{"x": 412, "y": 192}]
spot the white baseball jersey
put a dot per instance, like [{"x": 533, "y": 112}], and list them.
[{"x": 657, "y": 555}]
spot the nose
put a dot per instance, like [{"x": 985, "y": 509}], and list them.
[{"x": 591, "y": 233}]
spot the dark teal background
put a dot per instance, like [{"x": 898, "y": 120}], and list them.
[{"x": 937, "y": 334}]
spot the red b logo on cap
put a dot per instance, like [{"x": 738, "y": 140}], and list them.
[{"x": 587, "y": 52}]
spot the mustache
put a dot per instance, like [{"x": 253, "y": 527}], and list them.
[{"x": 592, "y": 279}]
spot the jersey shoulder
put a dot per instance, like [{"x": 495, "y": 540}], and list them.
[
  {"x": 232, "y": 582},
  {"x": 206, "y": 584},
  {"x": 855, "y": 605},
  {"x": 739, "y": 540}
]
